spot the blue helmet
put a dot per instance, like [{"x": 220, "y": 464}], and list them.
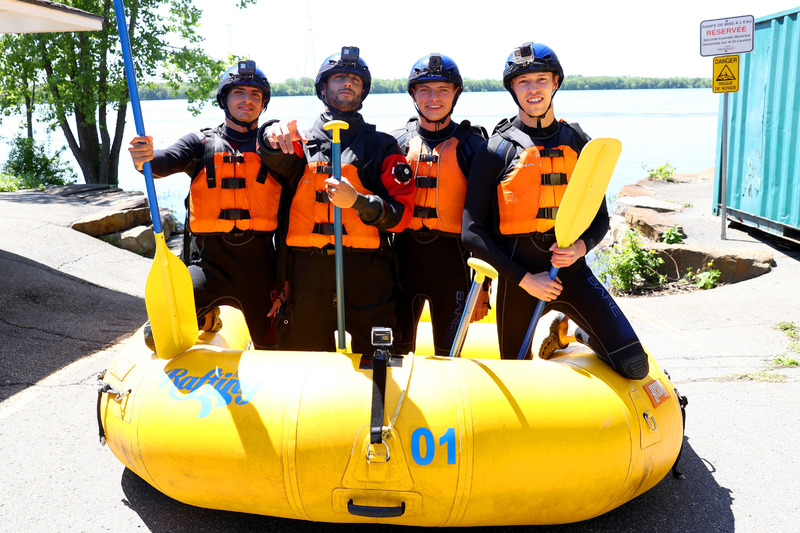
[
  {"x": 531, "y": 57},
  {"x": 348, "y": 61},
  {"x": 434, "y": 67},
  {"x": 243, "y": 73}
]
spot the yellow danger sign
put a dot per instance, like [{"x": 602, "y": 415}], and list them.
[{"x": 726, "y": 74}]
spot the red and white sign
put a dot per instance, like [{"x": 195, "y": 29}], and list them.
[{"x": 722, "y": 37}]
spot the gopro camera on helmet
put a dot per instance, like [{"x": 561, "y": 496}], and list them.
[
  {"x": 247, "y": 67},
  {"x": 523, "y": 54},
  {"x": 435, "y": 63},
  {"x": 350, "y": 54}
]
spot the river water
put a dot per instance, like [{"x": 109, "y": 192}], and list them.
[{"x": 655, "y": 126}]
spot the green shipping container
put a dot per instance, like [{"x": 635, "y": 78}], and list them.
[{"x": 763, "y": 182}]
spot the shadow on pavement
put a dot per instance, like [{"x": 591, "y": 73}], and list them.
[
  {"x": 696, "y": 503},
  {"x": 49, "y": 319}
]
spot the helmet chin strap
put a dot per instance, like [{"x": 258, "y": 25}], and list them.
[{"x": 537, "y": 117}]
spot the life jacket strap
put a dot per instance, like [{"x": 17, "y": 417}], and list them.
[
  {"x": 322, "y": 197},
  {"x": 233, "y": 183},
  {"x": 548, "y": 213},
  {"x": 551, "y": 152},
  {"x": 327, "y": 228},
  {"x": 234, "y": 214}
]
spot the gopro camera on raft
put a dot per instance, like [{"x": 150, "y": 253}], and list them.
[
  {"x": 523, "y": 54},
  {"x": 350, "y": 54},
  {"x": 382, "y": 336},
  {"x": 247, "y": 67}
]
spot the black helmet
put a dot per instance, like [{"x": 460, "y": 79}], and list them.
[
  {"x": 531, "y": 57},
  {"x": 434, "y": 67},
  {"x": 245, "y": 73},
  {"x": 348, "y": 62}
]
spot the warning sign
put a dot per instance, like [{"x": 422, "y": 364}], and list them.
[
  {"x": 725, "y": 78},
  {"x": 732, "y": 35}
]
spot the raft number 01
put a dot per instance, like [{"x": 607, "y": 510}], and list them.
[{"x": 420, "y": 435}]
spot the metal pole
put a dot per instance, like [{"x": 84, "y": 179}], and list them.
[{"x": 724, "y": 167}]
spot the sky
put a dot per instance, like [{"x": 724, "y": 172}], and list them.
[{"x": 291, "y": 38}]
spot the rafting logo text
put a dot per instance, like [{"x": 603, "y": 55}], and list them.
[{"x": 215, "y": 389}]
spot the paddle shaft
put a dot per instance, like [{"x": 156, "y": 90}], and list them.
[
  {"x": 336, "y": 126},
  {"x": 133, "y": 90},
  {"x": 482, "y": 271},
  {"x": 537, "y": 314}
]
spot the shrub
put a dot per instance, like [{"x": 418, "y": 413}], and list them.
[
  {"x": 32, "y": 167},
  {"x": 663, "y": 173},
  {"x": 673, "y": 235},
  {"x": 629, "y": 266},
  {"x": 703, "y": 279}
]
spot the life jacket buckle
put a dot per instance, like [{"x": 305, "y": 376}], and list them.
[
  {"x": 323, "y": 169},
  {"x": 424, "y": 212},
  {"x": 425, "y": 182},
  {"x": 554, "y": 178},
  {"x": 428, "y": 158},
  {"x": 322, "y": 197}
]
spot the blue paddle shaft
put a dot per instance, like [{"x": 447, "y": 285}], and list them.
[
  {"x": 337, "y": 232},
  {"x": 133, "y": 90},
  {"x": 525, "y": 349}
]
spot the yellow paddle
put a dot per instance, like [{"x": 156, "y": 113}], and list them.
[
  {"x": 582, "y": 199},
  {"x": 168, "y": 295}
]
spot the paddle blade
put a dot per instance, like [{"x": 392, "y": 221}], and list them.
[
  {"x": 169, "y": 297},
  {"x": 586, "y": 189}
]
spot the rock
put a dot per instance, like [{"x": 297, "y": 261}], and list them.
[
  {"x": 635, "y": 190},
  {"x": 140, "y": 240},
  {"x": 734, "y": 265},
  {"x": 626, "y": 202},
  {"x": 112, "y": 221},
  {"x": 651, "y": 223}
]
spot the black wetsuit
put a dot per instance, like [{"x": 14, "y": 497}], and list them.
[
  {"x": 235, "y": 268},
  {"x": 370, "y": 275},
  {"x": 583, "y": 298},
  {"x": 433, "y": 264}
]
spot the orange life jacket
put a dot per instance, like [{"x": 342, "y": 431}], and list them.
[
  {"x": 440, "y": 183},
  {"x": 234, "y": 190},
  {"x": 528, "y": 196},
  {"x": 311, "y": 214}
]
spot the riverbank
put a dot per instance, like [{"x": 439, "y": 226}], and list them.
[{"x": 67, "y": 299}]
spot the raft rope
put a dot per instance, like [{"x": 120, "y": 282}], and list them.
[
  {"x": 108, "y": 389},
  {"x": 683, "y": 402},
  {"x": 387, "y": 430}
]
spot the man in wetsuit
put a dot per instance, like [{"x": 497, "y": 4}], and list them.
[
  {"x": 516, "y": 183},
  {"x": 375, "y": 195},
  {"x": 433, "y": 263},
  {"x": 232, "y": 205}
]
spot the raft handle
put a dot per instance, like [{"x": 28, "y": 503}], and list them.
[
  {"x": 376, "y": 512},
  {"x": 650, "y": 421}
]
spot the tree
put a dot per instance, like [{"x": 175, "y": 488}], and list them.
[
  {"x": 83, "y": 73},
  {"x": 19, "y": 78}
]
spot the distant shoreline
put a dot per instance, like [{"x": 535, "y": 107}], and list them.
[{"x": 305, "y": 86}]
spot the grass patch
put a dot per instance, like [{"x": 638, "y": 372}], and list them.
[{"x": 761, "y": 376}]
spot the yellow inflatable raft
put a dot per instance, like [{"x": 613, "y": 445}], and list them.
[{"x": 459, "y": 442}]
